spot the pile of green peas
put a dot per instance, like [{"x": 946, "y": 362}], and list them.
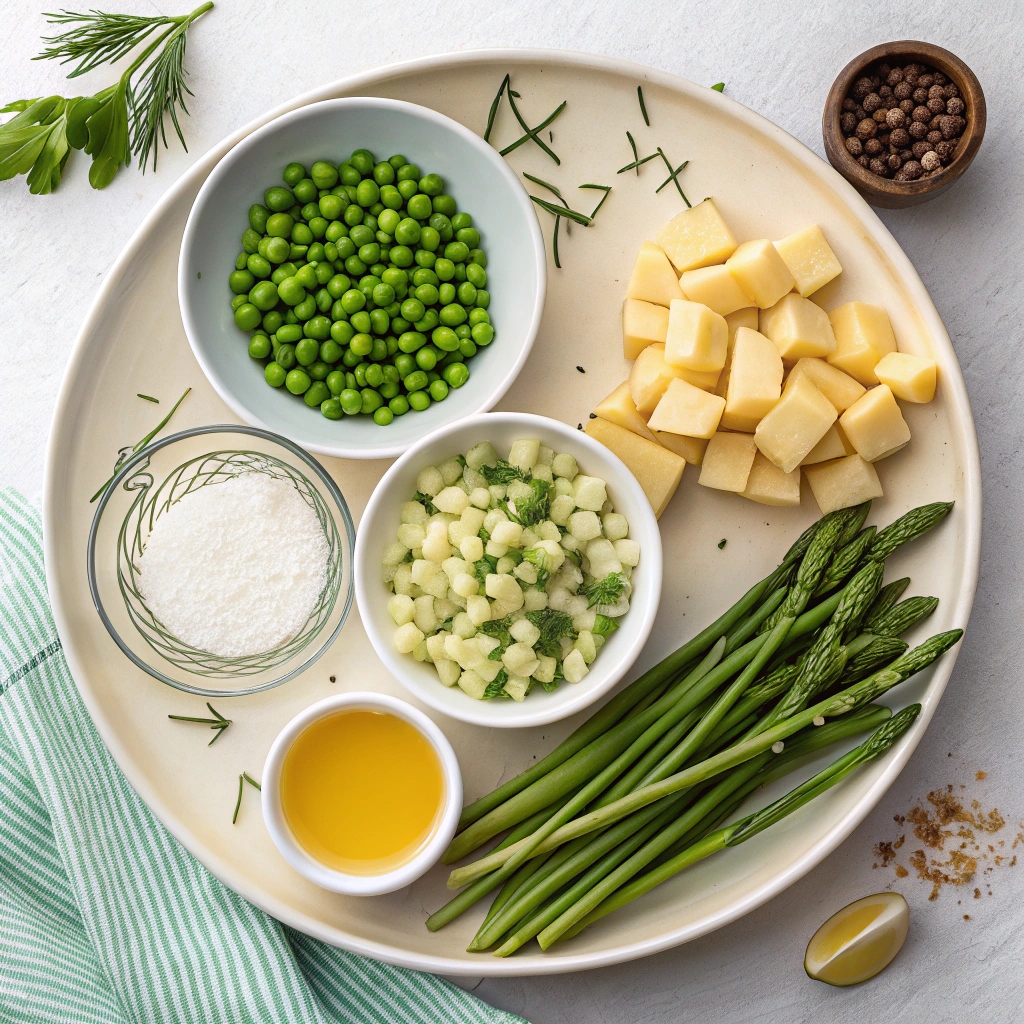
[{"x": 364, "y": 287}]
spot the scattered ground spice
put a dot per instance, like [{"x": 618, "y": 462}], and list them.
[{"x": 951, "y": 842}]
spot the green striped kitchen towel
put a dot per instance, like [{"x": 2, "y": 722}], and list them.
[{"x": 104, "y": 917}]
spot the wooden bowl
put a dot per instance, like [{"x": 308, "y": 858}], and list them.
[{"x": 886, "y": 192}]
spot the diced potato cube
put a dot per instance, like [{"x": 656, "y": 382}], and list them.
[
  {"x": 589, "y": 492},
  {"x": 657, "y": 470},
  {"x": 480, "y": 497},
  {"x": 473, "y": 684},
  {"x": 698, "y": 237},
  {"x": 798, "y": 327},
  {"x": 402, "y": 580},
  {"x": 420, "y": 652},
  {"x": 843, "y": 483},
  {"x": 875, "y": 425},
  {"x": 642, "y": 324},
  {"x": 486, "y": 644},
  {"x": 768, "y": 485},
  {"x": 690, "y": 448},
  {"x": 472, "y": 549},
  {"x": 863, "y": 335},
  {"x": 450, "y": 470},
  {"x": 401, "y": 608},
  {"x": 653, "y": 279},
  {"x": 561, "y": 509},
  {"x": 407, "y": 637},
  {"x": 465, "y": 585},
  {"x": 706, "y": 380},
  {"x": 627, "y": 551},
  {"x": 497, "y": 492},
  {"x": 562, "y": 485},
  {"x": 447, "y": 671},
  {"x": 478, "y": 608},
  {"x": 463, "y": 626},
  {"x": 519, "y": 489},
  {"x": 585, "y": 645},
  {"x": 436, "y": 547},
  {"x": 458, "y": 532},
  {"x": 517, "y": 687},
  {"x": 602, "y": 557},
  {"x": 525, "y": 632},
  {"x": 413, "y": 512},
  {"x": 574, "y": 668},
  {"x": 545, "y": 670},
  {"x": 491, "y": 520},
  {"x": 542, "y": 472},
  {"x": 832, "y": 446},
  {"x": 549, "y": 532},
  {"x": 473, "y": 479},
  {"x": 425, "y": 619},
  {"x": 508, "y": 533},
  {"x": 435, "y": 646},
  {"x": 911, "y": 378},
  {"x": 452, "y": 499},
  {"x": 505, "y": 565},
  {"x": 564, "y": 465},
  {"x": 796, "y": 424},
  {"x": 495, "y": 550},
  {"x": 697, "y": 337},
  {"x": 523, "y": 453},
  {"x": 430, "y": 576},
  {"x": 760, "y": 272},
  {"x": 430, "y": 481},
  {"x": 727, "y": 462},
  {"x": 687, "y": 410},
  {"x": 810, "y": 259},
  {"x": 482, "y": 454},
  {"x": 411, "y": 535},
  {"x": 519, "y": 659},
  {"x": 838, "y": 387},
  {"x": 394, "y": 553},
  {"x": 746, "y": 317},
  {"x": 649, "y": 378},
  {"x": 614, "y": 526},
  {"x": 619, "y": 408},
  {"x": 584, "y": 526},
  {"x": 503, "y": 587},
  {"x": 755, "y": 381},
  {"x": 716, "y": 288},
  {"x": 454, "y": 566},
  {"x": 535, "y": 600}
]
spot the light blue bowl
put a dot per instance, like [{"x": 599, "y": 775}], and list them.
[{"x": 482, "y": 183}]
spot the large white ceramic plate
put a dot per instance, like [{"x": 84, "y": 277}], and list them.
[{"x": 767, "y": 185}]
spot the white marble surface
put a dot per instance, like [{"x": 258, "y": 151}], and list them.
[{"x": 779, "y": 58}]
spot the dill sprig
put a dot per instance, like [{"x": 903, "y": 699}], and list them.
[{"x": 218, "y": 723}]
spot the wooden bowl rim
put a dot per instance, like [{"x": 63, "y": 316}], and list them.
[{"x": 911, "y": 49}]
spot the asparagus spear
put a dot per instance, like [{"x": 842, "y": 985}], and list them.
[
  {"x": 887, "y": 597},
  {"x": 908, "y": 527},
  {"x": 905, "y": 615}
]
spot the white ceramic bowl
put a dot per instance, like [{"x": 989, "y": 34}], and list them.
[
  {"x": 474, "y": 173},
  {"x": 339, "y": 881},
  {"x": 380, "y": 522}
]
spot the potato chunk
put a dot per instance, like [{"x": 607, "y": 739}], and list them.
[
  {"x": 843, "y": 482},
  {"x": 657, "y": 470},
  {"x": 911, "y": 378},
  {"x": 755, "y": 381},
  {"x": 643, "y": 323},
  {"x": 810, "y": 259},
  {"x": 653, "y": 279},
  {"x": 798, "y": 327},
  {"x": 796, "y": 424},
  {"x": 698, "y": 237},
  {"x": 768, "y": 485},
  {"x": 838, "y": 387},
  {"x": 697, "y": 337},
  {"x": 690, "y": 448},
  {"x": 875, "y": 424},
  {"x": 715, "y": 287},
  {"x": 618, "y": 408},
  {"x": 863, "y": 335},
  {"x": 745, "y": 317},
  {"x": 649, "y": 378},
  {"x": 727, "y": 462},
  {"x": 687, "y": 410},
  {"x": 760, "y": 272},
  {"x": 832, "y": 446}
]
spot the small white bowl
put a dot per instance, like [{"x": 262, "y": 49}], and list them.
[
  {"x": 340, "y": 881},
  {"x": 477, "y": 176},
  {"x": 378, "y": 527}
]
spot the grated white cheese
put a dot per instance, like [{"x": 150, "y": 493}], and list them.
[{"x": 235, "y": 568}]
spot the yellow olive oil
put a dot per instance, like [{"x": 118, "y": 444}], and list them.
[{"x": 362, "y": 791}]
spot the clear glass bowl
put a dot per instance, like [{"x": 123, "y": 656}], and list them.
[{"x": 151, "y": 482}]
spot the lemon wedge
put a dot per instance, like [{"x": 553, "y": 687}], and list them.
[{"x": 859, "y": 941}]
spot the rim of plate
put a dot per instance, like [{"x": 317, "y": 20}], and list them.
[
  {"x": 521, "y": 716},
  {"x": 957, "y": 390},
  {"x": 239, "y": 144}
]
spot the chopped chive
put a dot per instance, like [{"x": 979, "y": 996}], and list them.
[
  {"x": 580, "y": 368},
  {"x": 252, "y": 782},
  {"x": 493, "y": 113},
  {"x": 532, "y": 133},
  {"x": 602, "y": 188},
  {"x": 551, "y": 136},
  {"x": 218, "y": 723},
  {"x": 238, "y": 802},
  {"x": 148, "y": 398},
  {"x": 216, "y": 714},
  {"x": 554, "y": 242},
  {"x": 643, "y": 106},
  {"x": 573, "y": 215},
  {"x": 721, "y": 543},
  {"x": 637, "y": 164},
  {"x": 672, "y": 176},
  {"x": 719, "y": 86},
  {"x": 546, "y": 184},
  {"x": 636, "y": 155}
]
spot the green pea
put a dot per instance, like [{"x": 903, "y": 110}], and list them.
[
  {"x": 293, "y": 174},
  {"x": 351, "y": 402},
  {"x": 379, "y": 321},
  {"x": 374, "y": 375},
  {"x": 297, "y": 381},
  {"x": 360, "y": 321},
  {"x": 407, "y": 232},
  {"x": 310, "y": 210},
  {"x": 258, "y": 215},
  {"x": 350, "y": 380},
  {"x": 383, "y": 416},
  {"x": 360, "y": 235},
  {"x": 306, "y": 308},
  {"x": 348, "y": 174},
  {"x": 419, "y": 400},
  {"x": 405, "y": 364},
  {"x": 325, "y": 175},
  {"x": 316, "y": 393},
  {"x": 456, "y": 375},
  {"x": 361, "y": 344},
  {"x": 290, "y": 317},
  {"x": 277, "y": 250},
  {"x": 247, "y": 316},
  {"x": 362, "y": 160},
  {"x": 371, "y": 401},
  {"x": 444, "y": 268},
  {"x": 346, "y": 247},
  {"x": 445, "y": 339},
  {"x": 274, "y": 374},
  {"x": 302, "y": 234},
  {"x": 241, "y": 260},
  {"x": 338, "y": 285},
  {"x": 297, "y": 252},
  {"x": 359, "y": 372},
  {"x": 467, "y": 348},
  {"x": 324, "y": 302},
  {"x": 319, "y": 371},
  {"x": 258, "y": 266},
  {"x": 342, "y": 332},
  {"x": 383, "y": 173},
  {"x": 479, "y": 316},
  {"x": 324, "y": 273},
  {"x": 399, "y": 405},
  {"x": 426, "y": 358},
  {"x": 391, "y": 198},
  {"x": 306, "y": 352},
  {"x": 446, "y": 294},
  {"x": 407, "y": 189},
  {"x": 367, "y": 192},
  {"x": 423, "y": 275},
  {"x": 412, "y": 309},
  {"x": 419, "y": 206},
  {"x": 429, "y": 239},
  {"x": 259, "y": 346},
  {"x": 410, "y": 341},
  {"x": 483, "y": 298},
  {"x": 443, "y": 226},
  {"x": 331, "y": 409},
  {"x": 399, "y": 325},
  {"x": 408, "y": 172},
  {"x": 443, "y": 204},
  {"x": 483, "y": 334},
  {"x": 305, "y": 191},
  {"x": 383, "y": 293},
  {"x": 250, "y": 241},
  {"x": 290, "y": 291},
  {"x": 463, "y": 331},
  {"x": 241, "y": 281},
  {"x": 355, "y": 266},
  {"x": 331, "y": 207},
  {"x": 289, "y": 334},
  {"x": 353, "y": 215},
  {"x": 389, "y": 220},
  {"x": 336, "y": 230},
  {"x": 336, "y": 382},
  {"x": 431, "y": 185},
  {"x": 391, "y": 374},
  {"x": 427, "y": 294},
  {"x": 415, "y": 381},
  {"x": 277, "y": 199},
  {"x": 467, "y": 293},
  {"x": 456, "y": 252},
  {"x": 476, "y": 275},
  {"x": 377, "y": 269},
  {"x": 272, "y": 321},
  {"x": 318, "y": 228},
  {"x": 461, "y": 220},
  {"x": 319, "y": 327},
  {"x": 369, "y": 253},
  {"x": 282, "y": 271},
  {"x": 264, "y": 296},
  {"x": 401, "y": 256},
  {"x": 350, "y": 358},
  {"x": 427, "y": 322},
  {"x": 438, "y": 390}
]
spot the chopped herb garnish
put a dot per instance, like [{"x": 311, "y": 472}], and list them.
[
  {"x": 498, "y": 628},
  {"x": 532, "y": 133},
  {"x": 579, "y": 426},
  {"x": 638, "y": 163},
  {"x": 719, "y": 87},
  {"x": 496, "y": 687},
  {"x": 601, "y": 188},
  {"x": 593, "y": 415},
  {"x": 530, "y": 511},
  {"x": 721, "y": 543},
  {"x": 553, "y": 625},
  {"x": 252, "y": 782},
  {"x": 238, "y": 802},
  {"x": 218, "y": 723},
  {"x": 424, "y": 500},
  {"x": 643, "y": 106},
  {"x": 636, "y": 156},
  {"x": 494, "y": 107},
  {"x": 564, "y": 211},
  {"x": 580, "y": 368},
  {"x": 604, "y": 625},
  {"x": 673, "y": 176},
  {"x": 503, "y": 473},
  {"x": 605, "y": 591},
  {"x": 148, "y": 398}
]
